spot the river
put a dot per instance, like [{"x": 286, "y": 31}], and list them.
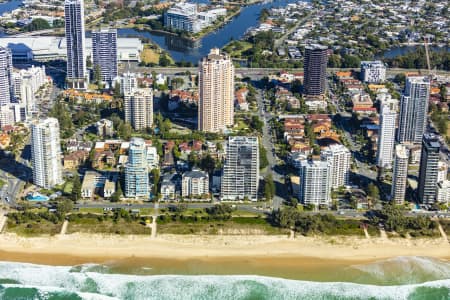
[
  {"x": 391, "y": 53},
  {"x": 185, "y": 50},
  {"x": 7, "y": 7}
]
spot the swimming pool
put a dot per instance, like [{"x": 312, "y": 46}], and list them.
[{"x": 37, "y": 197}]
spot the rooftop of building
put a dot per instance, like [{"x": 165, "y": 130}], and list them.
[
  {"x": 196, "y": 174},
  {"x": 316, "y": 47},
  {"x": 311, "y": 163},
  {"x": 401, "y": 151},
  {"x": 372, "y": 63}
]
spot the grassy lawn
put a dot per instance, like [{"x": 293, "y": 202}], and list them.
[
  {"x": 235, "y": 48},
  {"x": 93, "y": 224},
  {"x": 33, "y": 228},
  {"x": 146, "y": 211},
  {"x": 150, "y": 55},
  {"x": 237, "y": 225},
  {"x": 92, "y": 210},
  {"x": 243, "y": 213},
  {"x": 446, "y": 226},
  {"x": 68, "y": 187},
  {"x": 2, "y": 183}
]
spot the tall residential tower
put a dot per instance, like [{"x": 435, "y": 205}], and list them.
[
  {"x": 241, "y": 170},
  {"x": 139, "y": 108},
  {"x": 6, "y": 77},
  {"x": 315, "y": 182},
  {"x": 429, "y": 168},
  {"x": 413, "y": 110},
  {"x": 77, "y": 76},
  {"x": 136, "y": 170},
  {"x": 46, "y": 153},
  {"x": 315, "y": 69},
  {"x": 386, "y": 136},
  {"x": 104, "y": 53},
  {"x": 339, "y": 158},
  {"x": 216, "y": 87},
  {"x": 400, "y": 175}
]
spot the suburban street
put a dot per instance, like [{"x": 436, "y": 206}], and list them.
[
  {"x": 267, "y": 143},
  {"x": 254, "y": 208}
]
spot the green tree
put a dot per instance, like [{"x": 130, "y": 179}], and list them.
[
  {"x": 263, "y": 161},
  {"x": 269, "y": 187},
  {"x": 117, "y": 194},
  {"x": 37, "y": 24},
  {"x": 373, "y": 192},
  {"x": 97, "y": 74},
  {"x": 60, "y": 112},
  {"x": 124, "y": 130},
  {"x": 177, "y": 82},
  {"x": 76, "y": 188},
  {"x": 155, "y": 176},
  {"x": 64, "y": 206},
  {"x": 117, "y": 93},
  {"x": 164, "y": 61},
  {"x": 208, "y": 164}
]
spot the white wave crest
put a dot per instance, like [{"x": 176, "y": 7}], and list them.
[
  {"x": 406, "y": 269},
  {"x": 117, "y": 286}
]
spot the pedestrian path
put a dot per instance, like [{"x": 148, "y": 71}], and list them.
[
  {"x": 383, "y": 234},
  {"x": 64, "y": 227},
  {"x": 366, "y": 233},
  {"x": 443, "y": 234},
  {"x": 3, "y": 221}
]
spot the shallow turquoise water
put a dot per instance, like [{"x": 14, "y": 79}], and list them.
[{"x": 411, "y": 278}]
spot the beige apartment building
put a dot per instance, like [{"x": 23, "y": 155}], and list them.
[
  {"x": 216, "y": 86},
  {"x": 139, "y": 108}
]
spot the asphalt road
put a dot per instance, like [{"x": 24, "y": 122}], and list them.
[
  {"x": 278, "y": 177},
  {"x": 254, "y": 208},
  {"x": 258, "y": 71}
]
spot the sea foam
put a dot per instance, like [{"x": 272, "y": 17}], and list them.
[{"x": 89, "y": 285}]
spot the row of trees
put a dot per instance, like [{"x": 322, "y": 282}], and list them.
[
  {"x": 293, "y": 219},
  {"x": 417, "y": 60},
  {"x": 393, "y": 219}
]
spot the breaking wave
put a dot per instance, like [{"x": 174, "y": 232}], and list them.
[{"x": 30, "y": 281}]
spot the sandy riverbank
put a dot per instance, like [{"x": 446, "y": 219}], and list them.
[{"x": 83, "y": 248}]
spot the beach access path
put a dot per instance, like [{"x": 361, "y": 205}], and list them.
[{"x": 3, "y": 220}]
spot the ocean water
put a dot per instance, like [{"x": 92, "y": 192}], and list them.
[{"x": 414, "y": 278}]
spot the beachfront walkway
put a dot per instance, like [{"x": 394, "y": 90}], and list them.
[{"x": 3, "y": 220}]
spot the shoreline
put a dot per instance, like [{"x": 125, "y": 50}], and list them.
[{"x": 82, "y": 248}]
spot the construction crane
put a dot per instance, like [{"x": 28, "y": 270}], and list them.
[{"x": 427, "y": 54}]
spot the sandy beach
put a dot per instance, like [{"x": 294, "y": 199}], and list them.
[{"x": 83, "y": 248}]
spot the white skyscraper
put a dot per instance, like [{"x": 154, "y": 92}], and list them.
[
  {"x": 46, "y": 153},
  {"x": 104, "y": 53},
  {"x": 241, "y": 170},
  {"x": 216, "y": 91},
  {"x": 26, "y": 83},
  {"x": 6, "y": 77},
  {"x": 373, "y": 71},
  {"x": 400, "y": 175},
  {"x": 77, "y": 76},
  {"x": 315, "y": 182},
  {"x": 339, "y": 157},
  {"x": 128, "y": 83},
  {"x": 139, "y": 108},
  {"x": 386, "y": 135},
  {"x": 6, "y": 115},
  {"x": 136, "y": 170},
  {"x": 413, "y": 110}
]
